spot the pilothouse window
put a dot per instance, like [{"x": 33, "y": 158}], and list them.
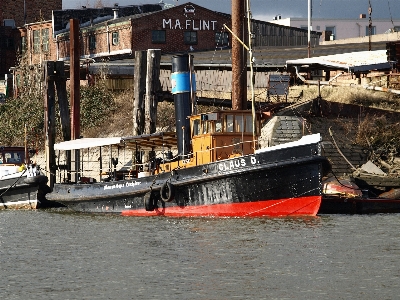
[
  {"x": 196, "y": 127},
  {"x": 239, "y": 124},
  {"x": 249, "y": 124},
  {"x": 229, "y": 123}
]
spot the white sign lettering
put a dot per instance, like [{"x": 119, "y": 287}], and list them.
[
  {"x": 189, "y": 24},
  {"x": 177, "y": 24},
  {"x": 167, "y": 22}
]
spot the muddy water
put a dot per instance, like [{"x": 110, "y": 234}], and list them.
[{"x": 57, "y": 254}]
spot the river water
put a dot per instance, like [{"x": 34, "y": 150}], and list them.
[{"x": 57, "y": 254}]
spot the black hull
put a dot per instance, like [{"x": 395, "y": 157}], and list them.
[
  {"x": 287, "y": 173},
  {"x": 342, "y": 205},
  {"x": 23, "y": 193}
]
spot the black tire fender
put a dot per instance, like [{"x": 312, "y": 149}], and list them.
[
  {"x": 149, "y": 201},
  {"x": 167, "y": 192}
]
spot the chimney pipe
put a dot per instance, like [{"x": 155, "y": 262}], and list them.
[{"x": 116, "y": 9}]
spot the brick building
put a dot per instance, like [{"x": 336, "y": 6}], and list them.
[
  {"x": 27, "y": 11},
  {"x": 182, "y": 28},
  {"x": 36, "y": 43},
  {"x": 17, "y": 13}
]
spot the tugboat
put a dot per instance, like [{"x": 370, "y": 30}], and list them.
[{"x": 216, "y": 171}]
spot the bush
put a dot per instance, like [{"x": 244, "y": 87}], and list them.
[
  {"x": 18, "y": 113},
  {"x": 97, "y": 104}
]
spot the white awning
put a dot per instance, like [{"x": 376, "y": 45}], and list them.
[
  {"x": 143, "y": 142},
  {"x": 87, "y": 143}
]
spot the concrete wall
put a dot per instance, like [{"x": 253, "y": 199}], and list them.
[{"x": 385, "y": 37}]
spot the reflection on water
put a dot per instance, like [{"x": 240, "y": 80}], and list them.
[{"x": 63, "y": 255}]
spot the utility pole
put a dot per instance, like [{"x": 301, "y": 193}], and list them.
[{"x": 369, "y": 25}]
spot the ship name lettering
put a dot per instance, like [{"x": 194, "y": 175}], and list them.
[
  {"x": 114, "y": 186},
  {"x": 233, "y": 164},
  {"x": 132, "y": 183}
]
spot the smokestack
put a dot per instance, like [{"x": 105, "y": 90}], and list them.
[{"x": 181, "y": 89}]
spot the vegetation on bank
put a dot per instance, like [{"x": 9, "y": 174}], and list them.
[
  {"x": 356, "y": 95},
  {"x": 24, "y": 116}
]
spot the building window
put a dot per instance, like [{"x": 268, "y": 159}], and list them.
[
  {"x": 221, "y": 39},
  {"x": 373, "y": 30},
  {"x": 92, "y": 42},
  {"x": 190, "y": 37},
  {"x": 158, "y": 36},
  {"x": 36, "y": 41},
  {"x": 45, "y": 40},
  {"x": 23, "y": 44},
  {"x": 115, "y": 38}
]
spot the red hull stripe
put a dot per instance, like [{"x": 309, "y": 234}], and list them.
[{"x": 302, "y": 206}]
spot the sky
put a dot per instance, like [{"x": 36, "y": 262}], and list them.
[{"x": 266, "y": 10}]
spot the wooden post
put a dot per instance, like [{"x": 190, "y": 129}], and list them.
[
  {"x": 61, "y": 88},
  {"x": 139, "y": 92},
  {"x": 75, "y": 88},
  {"x": 65, "y": 120},
  {"x": 49, "y": 120},
  {"x": 152, "y": 78}
]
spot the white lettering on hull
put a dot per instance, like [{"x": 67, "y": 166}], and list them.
[
  {"x": 122, "y": 185},
  {"x": 236, "y": 163}
]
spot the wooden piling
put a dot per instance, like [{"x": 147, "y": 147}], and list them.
[
  {"x": 49, "y": 120},
  {"x": 152, "y": 78},
  {"x": 139, "y": 92}
]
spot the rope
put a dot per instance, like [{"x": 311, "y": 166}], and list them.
[
  {"x": 340, "y": 152},
  {"x": 1, "y": 196}
]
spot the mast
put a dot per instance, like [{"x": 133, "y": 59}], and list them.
[
  {"x": 309, "y": 27},
  {"x": 252, "y": 77}
]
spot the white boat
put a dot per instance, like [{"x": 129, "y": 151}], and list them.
[{"x": 22, "y": 184}]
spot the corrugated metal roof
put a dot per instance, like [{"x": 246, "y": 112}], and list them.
[{"x": 352, "y": 62}]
